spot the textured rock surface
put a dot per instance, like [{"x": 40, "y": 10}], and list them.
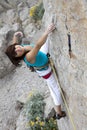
[
  {"x": 69, "y": 16},
  {"x": 72, "y": 72}
]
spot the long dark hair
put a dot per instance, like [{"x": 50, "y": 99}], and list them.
[{"x": 10, "y": 52}]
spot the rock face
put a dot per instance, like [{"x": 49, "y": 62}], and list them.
[
  {"x": 70, "y": 17},
  {"x": 11, "y": 20}
]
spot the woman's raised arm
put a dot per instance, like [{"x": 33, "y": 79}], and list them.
[{"x": 32, "y": 54}]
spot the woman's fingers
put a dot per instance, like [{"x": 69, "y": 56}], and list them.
[
  {"x": 50, "y": 28},
  {"x": 19, "y": 33}
]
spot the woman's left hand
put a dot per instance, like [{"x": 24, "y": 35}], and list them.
[{"x": 50, "y": 28}]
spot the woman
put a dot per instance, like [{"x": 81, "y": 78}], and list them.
[{"x": 36, "y": 56}]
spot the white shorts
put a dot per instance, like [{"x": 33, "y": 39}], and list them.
[{"x": 51, "y": 82}]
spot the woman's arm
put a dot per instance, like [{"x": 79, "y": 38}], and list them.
[{"x": 32, "y": 54}]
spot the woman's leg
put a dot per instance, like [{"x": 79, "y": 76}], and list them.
[
  {"x": 45, "y": 47},
  {"x": 52, "y": 84},
  {"x": 55, "y": 93}
]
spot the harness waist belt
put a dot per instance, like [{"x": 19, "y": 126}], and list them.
[
  {"x": 47, "y": 75},
  {"x": 41, "y": 67}
]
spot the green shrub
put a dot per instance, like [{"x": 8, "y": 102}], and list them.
[
  {"x": 34, "y": 109},
  {"x": 37, "y": 12}
]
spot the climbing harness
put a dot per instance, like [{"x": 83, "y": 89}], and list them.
[
  {"x": 42, "y": 67},
  {"x": 34, "y": 68},
  {"x": 57, "y": 78}
]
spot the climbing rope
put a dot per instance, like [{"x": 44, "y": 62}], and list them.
[{"x": 57, "y": 78}]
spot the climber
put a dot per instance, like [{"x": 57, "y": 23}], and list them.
[{"x": 36, "y": 56}]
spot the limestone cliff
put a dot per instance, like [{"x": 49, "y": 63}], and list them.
[{"x": 71, "y": 17}]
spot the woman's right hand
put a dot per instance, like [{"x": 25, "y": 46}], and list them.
[{"x": 19, "y": 33}]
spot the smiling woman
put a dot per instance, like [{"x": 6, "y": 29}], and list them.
[
  {"x": 15, "y": 51},
  {"x": 12, "y": 54}
]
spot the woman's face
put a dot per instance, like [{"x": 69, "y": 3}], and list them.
[{"x": 19, "y": 50}]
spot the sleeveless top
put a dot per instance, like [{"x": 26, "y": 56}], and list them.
[{"x": 41, "y": 59}]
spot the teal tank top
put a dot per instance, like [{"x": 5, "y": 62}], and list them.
[{"x": 41, "y": 59}]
